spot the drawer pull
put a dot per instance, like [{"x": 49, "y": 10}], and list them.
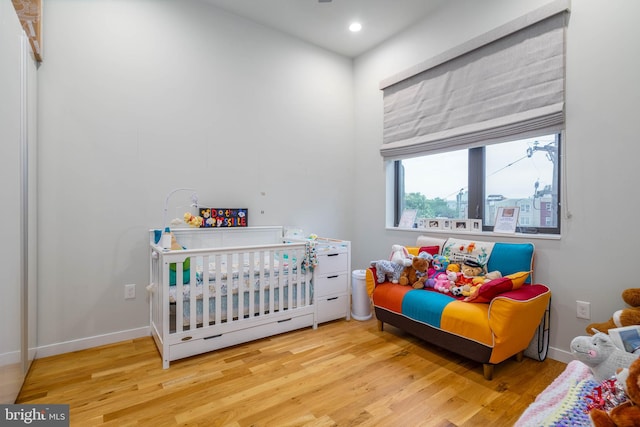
[
  {"x": 213, "y": 336},
  {"x": 333, "y": 254},
  {"x": 284, "y": 320},
  {"x": 186, "y": 338},
  {"x": 332, "y": 277},
  {"x": 331, "y": 299}
]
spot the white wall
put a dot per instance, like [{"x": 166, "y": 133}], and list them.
[
  {"x": 594, "y": 259},
  {"x": 140, "y": 97}
]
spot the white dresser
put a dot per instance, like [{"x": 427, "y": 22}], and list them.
[{"x": 332, "y": 279}]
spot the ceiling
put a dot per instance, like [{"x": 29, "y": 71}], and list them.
[{"x": 325, "y": 24}]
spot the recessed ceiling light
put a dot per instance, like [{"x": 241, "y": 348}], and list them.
[{"x": 355, "y": 27}]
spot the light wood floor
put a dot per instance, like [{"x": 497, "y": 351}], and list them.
[{"x": 345, "y": 373}]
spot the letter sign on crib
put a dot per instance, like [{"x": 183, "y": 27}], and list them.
[{"x": 224, "y": 217}]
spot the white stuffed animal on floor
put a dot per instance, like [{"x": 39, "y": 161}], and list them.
[{"x": 600, "y": 354}]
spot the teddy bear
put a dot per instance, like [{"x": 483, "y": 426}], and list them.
[
  {"x": 470, "y": 271},
  {"x": 626, "y": 317},
  {"x": 626, "y": 413},
  {"x": 415, "y": 275}
]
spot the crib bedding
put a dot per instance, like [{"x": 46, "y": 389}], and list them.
[
  {"x": 224, "y": 302},
  {"x": 252, "y": 278}
]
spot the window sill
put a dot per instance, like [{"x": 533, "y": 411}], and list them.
[{"x": 484, "y": 234}]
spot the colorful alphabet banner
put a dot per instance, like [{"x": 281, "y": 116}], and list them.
[{"x": 224, "y": 217}]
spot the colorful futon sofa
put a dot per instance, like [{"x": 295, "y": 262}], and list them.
[{"x": 490, "y": 329}]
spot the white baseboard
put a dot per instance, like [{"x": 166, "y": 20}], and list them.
[
  {"x": 560, "y": 355},
  {"x": 84, "y": 343}
]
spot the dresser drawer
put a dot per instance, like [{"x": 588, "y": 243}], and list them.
[
  {"x": 331, "y": 284},
  {"x": 332, "y": 308},
  {"x": 332, "y": 262}
]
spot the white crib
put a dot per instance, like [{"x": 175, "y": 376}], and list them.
[{"x": 246, "y": 284}]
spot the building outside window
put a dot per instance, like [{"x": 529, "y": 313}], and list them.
[{"x": 473, "y": 183}]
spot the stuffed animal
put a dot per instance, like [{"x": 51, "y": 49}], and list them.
[
  {"x": 478, "y": 281},
  {"x": 415, "y": 275},
  {"x": 439, "y": 265},
  {"x": 626, "y": 413},
  {"x": 601, "y": 355},
  {"x": 461, "y": 291},
  {"x": 626, "y": 317},
  {"x": 470, "y": 271},
  {"x": 387, "y": 271},
  {"x": 441, "y": 283},
  {"x": 400, "y": 255},
  {"x": 192, "y": 220}
]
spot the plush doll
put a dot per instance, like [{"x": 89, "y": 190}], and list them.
[
  {"x": 470, "y": 270},
  {"x": 192, "y": 220},
  {"x": 387, "y": 271},
  {"x": 461, "y": 290},
  {"x": 626, "y": 413},
  {"x": 601, "y": 355},
  {"x": 415, "y": 275},
  {"x": 626, "y": 317},
  {"x": 400, "y": 255},
  {"x": 478, "y": 281},
  {"x": 442, "y": 282},
  {"x": 439, "y": 265}
]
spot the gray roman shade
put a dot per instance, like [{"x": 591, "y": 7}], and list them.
[{"x": 504, "y": 84}]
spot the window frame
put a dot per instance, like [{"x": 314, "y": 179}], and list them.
[{"x": 476, "y": 191}]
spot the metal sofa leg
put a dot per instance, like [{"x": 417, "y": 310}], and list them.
[{"x": 488, "y": 371}]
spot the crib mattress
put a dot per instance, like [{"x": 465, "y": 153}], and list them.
[
  {"x": 280, "y": 302},
  {"x": 245, "y": 285}
]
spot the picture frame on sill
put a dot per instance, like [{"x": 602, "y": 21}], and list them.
[
  {"x": 446, "y": 224},
  {"x": 475, "y": 225},
  {"x": 434, "y": 224},
  {"x": 460, "y": 225},
  {"x": 408, "y": 218},
  {"x": 506, "y": 219},
  {"x": 422, "y": 223},
  {"x": 626, "y": 338}
]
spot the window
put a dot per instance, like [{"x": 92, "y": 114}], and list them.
[
  {"x": 474, "y": 183},
  {"x": 454, "y": 126}
]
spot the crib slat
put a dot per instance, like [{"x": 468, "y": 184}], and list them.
[
  {"x": 261, "y": 309},
  {"x": 218, "y": 287},
  {"x": 193, "y": 296},
  {"x": 229, "y": 317},
  {"x": 179, "y": 298},
  {"x": 298, "y": 275},
  {"x": 252, "y": 278},
  {"x": 272, "y": 290},
  {"x": 205, "y": 290},
  {"x": 241, "y": 279}
]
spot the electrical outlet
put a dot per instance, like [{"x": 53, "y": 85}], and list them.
[
  {"x": 129, "y": 291},
  {"x": 583, "y": 310}
]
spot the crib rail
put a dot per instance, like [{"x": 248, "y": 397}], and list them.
[{"x": 203, "y": 293}]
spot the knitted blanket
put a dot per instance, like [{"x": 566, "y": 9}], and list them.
[{"x": 563, "y": 402}]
